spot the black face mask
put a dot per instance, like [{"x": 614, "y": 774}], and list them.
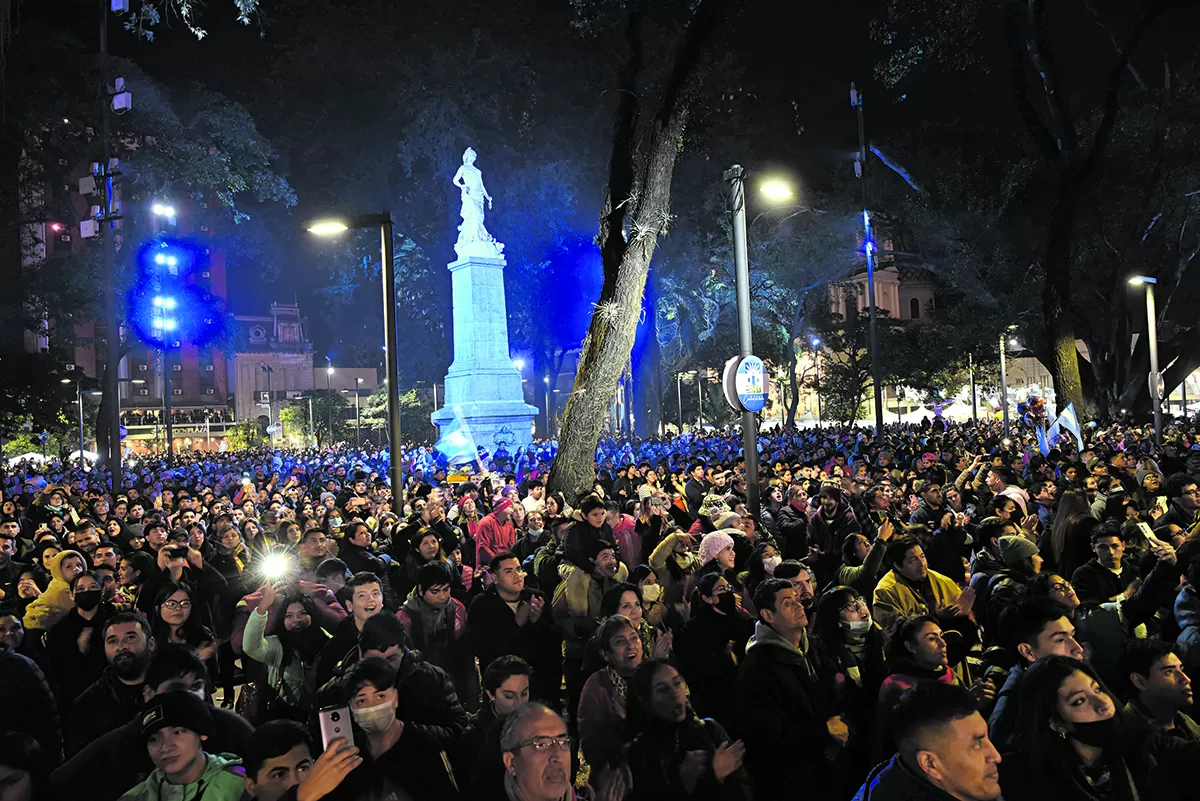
[
  {"x": 88, "y": 599},
  {"x": 1100, "y": 733},
  {"x": 727, "y": 604}
]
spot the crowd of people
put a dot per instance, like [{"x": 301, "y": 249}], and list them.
[{"x": 943, "y": 611}]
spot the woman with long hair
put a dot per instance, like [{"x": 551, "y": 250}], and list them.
[
  {"x": 289, "y": 653},
  {"x": 1070, "y": 536},
  {"x": 253, "y": 537},
  {"x": 759, "y": 567},
  {"x": 653, "y": 517},
  {"x": 666, "y": 736},
  {"x": 177, "y": 614},
  {"x": 1072, "y": 742},
  {"x": 425, "y": 547}
]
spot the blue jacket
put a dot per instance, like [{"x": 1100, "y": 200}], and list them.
[{"x": 1187, "y": 615}]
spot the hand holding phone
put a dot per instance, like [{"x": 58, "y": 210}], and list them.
[{"x": 334, "y": 723}]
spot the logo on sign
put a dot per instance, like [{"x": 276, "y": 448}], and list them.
[{"x": 750, "y": 382}]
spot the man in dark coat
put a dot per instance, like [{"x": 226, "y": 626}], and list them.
[
  {"x": 783, "y": 715},
  {"x": 695, "y": 489},
  {"x": 510, "y": 618},
  {"x": 116, "y": 697}
]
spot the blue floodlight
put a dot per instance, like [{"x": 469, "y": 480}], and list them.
[{"x": 160, "y": 258}]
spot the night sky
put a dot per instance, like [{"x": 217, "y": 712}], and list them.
[{"x": 786, "y": 53}]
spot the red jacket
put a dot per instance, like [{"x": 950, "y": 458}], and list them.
[{"x": 492, "y": 537}]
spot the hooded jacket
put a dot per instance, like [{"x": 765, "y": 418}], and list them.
[
  {"x": 219, "y": 783},
  {"x": 441, "y": 637},
  {"x": 53, "y": 604},
  {"x": 782, "y": 714}
]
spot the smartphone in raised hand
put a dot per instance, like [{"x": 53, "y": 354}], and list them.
[{"x": 334, "y": 723}]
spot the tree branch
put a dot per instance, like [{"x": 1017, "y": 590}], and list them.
[
  {"x": 1040, "y": 56},
  {"x": 1036, "y": 126}
]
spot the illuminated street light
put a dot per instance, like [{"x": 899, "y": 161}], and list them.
[
  {"x": 163, "y": 210},
  {"x": 776, "y": 191},
  {"x": 383, "y": 223},
  {"x": 328, "y": 227},
  {"x": 519, "y": 364}
]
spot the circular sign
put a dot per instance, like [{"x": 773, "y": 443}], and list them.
[
  {"x": 272, "y": 429},
  {"x": 750, "y": 384}
]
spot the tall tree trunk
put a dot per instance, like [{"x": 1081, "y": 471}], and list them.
[
  {"x": 1056, "y": 300},
  {"x": 638, "y": 193}
]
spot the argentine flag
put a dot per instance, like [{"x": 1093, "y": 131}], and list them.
[{"x": 456, "y": 442}]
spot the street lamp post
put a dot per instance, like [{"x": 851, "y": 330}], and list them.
[
  {"x": 357, "y": 417},
  {"x": 1152, "y": 336},
  {"x": 816, "y": 343},
  {"x": 266, "y": 368},
  {"x": 1004, "y": 381},
  {"x": 737, "y": 187},
  {"x": 679, "y": 398},
  {"x": 384, "y": 222},
  {"x": 329, "y": 398},
  {"x": 168, "y": 413},
  {"x": 860, "y": 165},
  {"x": 971, "y": 365}
]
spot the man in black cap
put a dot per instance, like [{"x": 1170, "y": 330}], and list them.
[{"x": 174, "y": 727}]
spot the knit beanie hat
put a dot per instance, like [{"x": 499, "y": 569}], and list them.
[
  {"x": 1015, "y": 550},
  {"x": 725, "y": 519},
  {"x": 711, "y": 505},
  {"x": 712, "y": 544}
]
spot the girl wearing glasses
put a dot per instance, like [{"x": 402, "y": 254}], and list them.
[{"x": 177, "y": 619}]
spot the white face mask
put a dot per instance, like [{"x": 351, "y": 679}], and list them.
[
  {"x": 535, "y": 532},
  {"x": 651, "y": 592},
  {"x": 375, "y": 719},
  {"x": 859, "y": 626},
  {"x": 770, "y": 563}
]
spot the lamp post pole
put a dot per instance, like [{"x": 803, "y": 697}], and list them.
[
  {"x": 312, "y": 431},
  {"x": 679, "y": 398},
  {"x": 737, "y": 188},
  {"x": 971, "y": 364},
  {"x": 357, "y": 416},
  {"x": 329, "y": 397},
  {"x": 860, "y": 166},
  {"x": 391, "y": 338},
  {"x": 79, "y": 400},
  {"x": 391, "y": 334},
  {"x": 1004, "y": 380},
  {"x": 1152, "y": 343},
  {"x": 166, "y": 361}
]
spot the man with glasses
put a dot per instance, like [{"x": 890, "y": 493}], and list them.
[
  {"x": 1183, "y": 503},
  {"x": 537, "y": 755},
  {"x": 511, "y": 618}
]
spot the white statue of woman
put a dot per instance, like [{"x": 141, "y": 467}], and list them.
[{"x": 473, "y": 237}]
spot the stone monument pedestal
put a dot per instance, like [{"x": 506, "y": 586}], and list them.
[{"x": 483, "y": 384}]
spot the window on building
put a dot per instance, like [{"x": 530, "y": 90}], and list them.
[{"x": 914, "y": 309}]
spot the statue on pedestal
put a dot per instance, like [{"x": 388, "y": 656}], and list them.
[{"x": 473, "y": 237}]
